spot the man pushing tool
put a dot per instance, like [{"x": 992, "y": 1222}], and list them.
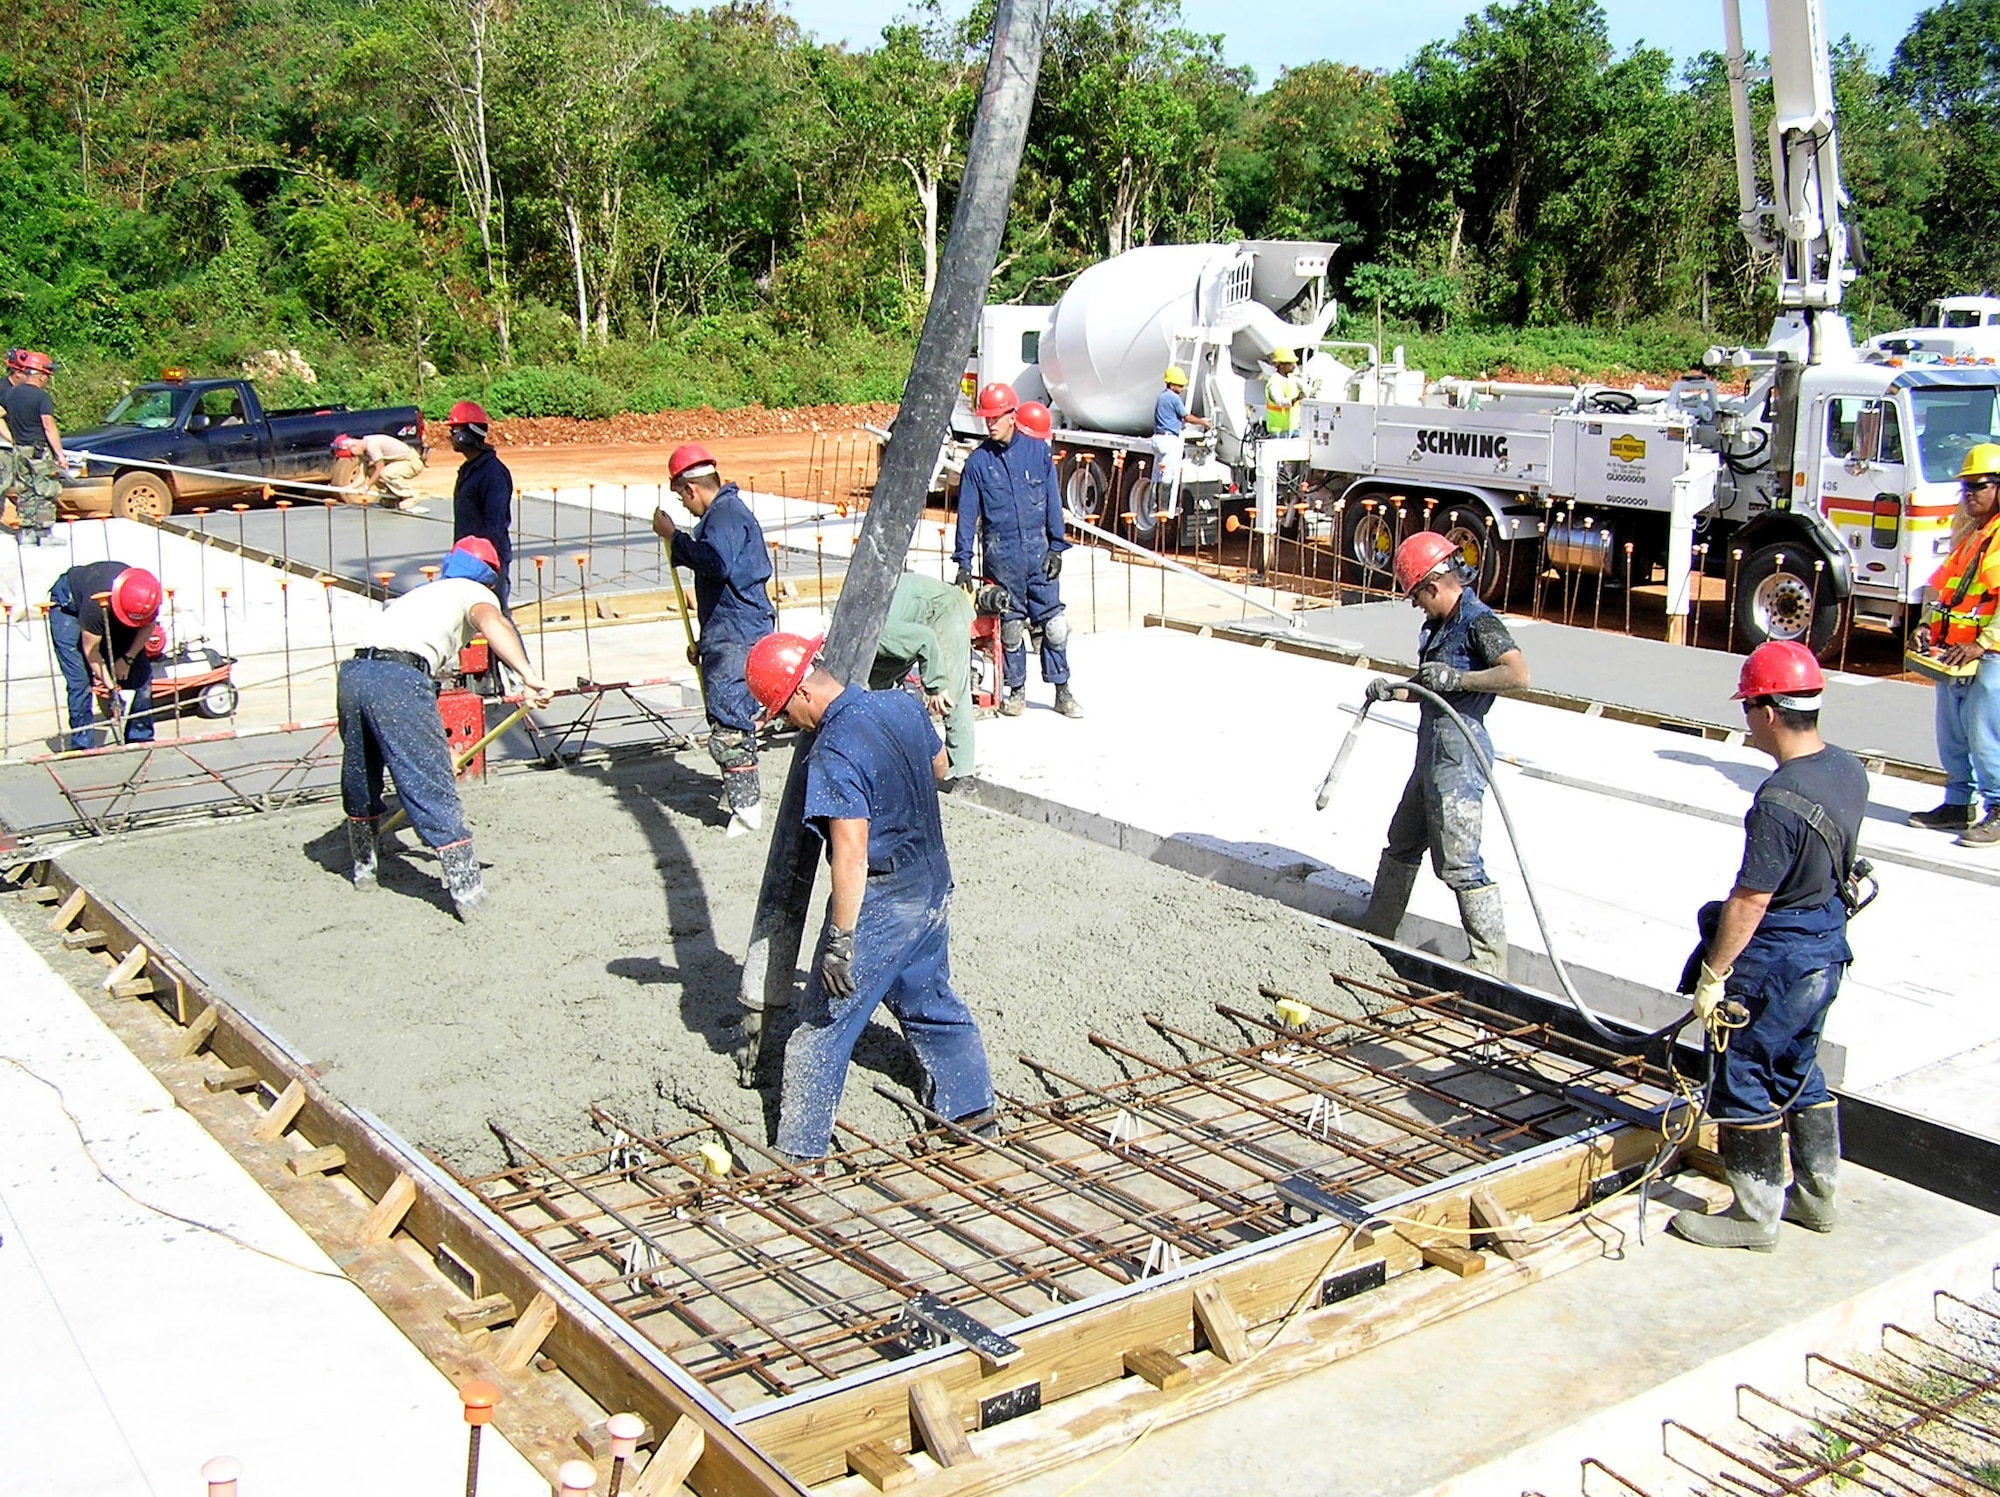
[
  {"x": 387, "y": 702},
  {"x": 1465, "y": 656},
  {"x": 100, "y": 616},
  {"x": 872, "y": 772},
  {"x": 732, "y": 569}
]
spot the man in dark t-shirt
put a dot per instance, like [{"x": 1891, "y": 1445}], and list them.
[
  {"x": 38, "y": 460},
  {"x": 1778, "y": 946},
  {"x": 1465, "y": 655},
  {"x": 100, "y": 617}
]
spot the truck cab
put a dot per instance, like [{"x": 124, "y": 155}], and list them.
[{"x": 1952, "y": 327}]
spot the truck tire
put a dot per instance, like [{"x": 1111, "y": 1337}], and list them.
[
  {"x": 1368, "y": 542},
  {"x": 142, "y": 495},
  {"x": 1482, "y": 555},
  {"x": 1086, "y": 485},
  {"x": 1142, "y": 500},
  {"x": 1775, "y": 598}
]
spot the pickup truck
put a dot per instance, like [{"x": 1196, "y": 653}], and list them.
[{"x": 126, "y": 467}]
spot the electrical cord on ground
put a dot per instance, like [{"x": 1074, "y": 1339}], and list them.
[{"x": 83, "y": 1142}]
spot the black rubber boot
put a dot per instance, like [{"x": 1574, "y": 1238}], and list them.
[
  {"x": 1390, "y": 897},
  {"x": 1815, "y": 1140},
  {"x": 461, "y": 877},
  {"x": 361, "y": 847},
  {"x": 1484, "y": 917},
  {"x": 1753, "y": 1161}
]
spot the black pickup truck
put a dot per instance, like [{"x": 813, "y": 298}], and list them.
[{"x": 134, "y": 463}]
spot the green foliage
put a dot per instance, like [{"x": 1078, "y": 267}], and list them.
[
  {"x": 572, "y": 207},
  {"x": 1561, "y": 353}
]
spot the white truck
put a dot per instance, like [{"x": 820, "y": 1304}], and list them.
[
  {"x": 1959, "y": 328},
  {"x": 1831, "y": 475}
]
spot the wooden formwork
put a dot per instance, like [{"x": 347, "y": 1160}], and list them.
[{"x": 945, "y": 1310}]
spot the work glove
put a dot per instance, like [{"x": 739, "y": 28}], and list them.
[
  {"x": 1708, "y": 994},
  {"x": 836, "y": 963},
  {"x": 749, "y": 1047},
  {"x": 694, "y": 655},
  {"x": 966, "y": 580},
  {"x": 1381, "y": 689},
  {"x": 1435, "y": 675},
  {"x": 1052, "y": 565}
]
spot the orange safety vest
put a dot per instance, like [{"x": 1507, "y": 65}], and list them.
[{"x": 1966, "y": 588}]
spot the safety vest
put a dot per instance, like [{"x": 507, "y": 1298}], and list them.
[
  {"x": 1281, "y": 402},
  {"x": 1967, "y": 587}
]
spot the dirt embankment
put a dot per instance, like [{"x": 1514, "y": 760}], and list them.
[
  {"x": 705, "y": 424},
  {"x": 607, "y": 968}
]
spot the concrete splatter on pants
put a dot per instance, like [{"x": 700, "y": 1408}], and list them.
[
  {"x": 1772, "y": 1066},
  {"x": 389, "y": 720},
  {"x": 1442, "y": 811},
  {"x": 901, "y": 958},
  {"x": 37, "y": 488},
  {"x": 1036, "y": 601}
]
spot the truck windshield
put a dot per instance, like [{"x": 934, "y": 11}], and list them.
[
  {"x": 1950, "y": 422},
  {"x": 153, "y": 408},
  {"x": 1960, "y": 317}
]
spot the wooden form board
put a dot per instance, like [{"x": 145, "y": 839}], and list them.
[
  {"x": 811, "y": 1439},
  {"x": 608, "y": 1370}
]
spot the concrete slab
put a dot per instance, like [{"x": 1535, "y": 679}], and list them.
[
  {"x": 163, "y": 1310},
  {"x": 1430, "y": 1409},
  {"x": 1882, "y": 717}
]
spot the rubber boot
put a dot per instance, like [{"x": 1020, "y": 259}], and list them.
[
  {"x": 1390, "y": 897},
  {"x": 1815, "y": 1140},
  {"x": 1066, "y": 703},
  {"x": 1753, "y": 1161},
  {"x": 743, "y": 794},
  {"x": 461, "y": 877},
  {"x": 1484, "y": 917},
  {"x": 361, "y": 845}
]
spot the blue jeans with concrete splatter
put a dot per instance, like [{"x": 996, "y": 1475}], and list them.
[
  {"x": 1443, "y": 808},
  {"x": 902, "y": 959},
  {"x": 389, "y": 720},
  {"x": 1968, "y": 736}
]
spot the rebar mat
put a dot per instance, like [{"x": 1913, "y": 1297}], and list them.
[{"x": 765, "y": 1283}]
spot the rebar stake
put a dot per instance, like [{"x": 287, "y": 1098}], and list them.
[
  {"x": 478, "y": 1398},
  {"x": 285, "y": 622},
  {"x": 625, "y": 1430},
  {"x": 583, "y": 583},
  {"x": 221, "y": 1473},
  {"x": 1628, "y": 587}
]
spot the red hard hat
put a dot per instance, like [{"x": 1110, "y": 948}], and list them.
[
  {"x": 996, "y": 400},
  {"x": 27, "y": 361},
  {"x": 1780, "y": 668},
  {"x": 691, "y": 459},
  {"x": 345, "y": 446},
  {"x": 480, "y": 547},
  {"x": 777, "y": 664},
  {"x": 1420, "y": 558},
  {"x": 467, "y": 413},
  {"x": 135, "y": 597},
  {"x": 1035, "y": 419},
  {"x": 156, "y": 643}
]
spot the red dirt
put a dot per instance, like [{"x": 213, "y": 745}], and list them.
[{"x": 705, "y": 424}]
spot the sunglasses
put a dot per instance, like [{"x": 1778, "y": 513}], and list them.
[{"x": 1974, "y": 485}]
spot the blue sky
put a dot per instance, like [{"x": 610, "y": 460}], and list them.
[{"x": 1268, "y": 34}]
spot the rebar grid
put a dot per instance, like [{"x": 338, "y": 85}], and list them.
[
  {"x": 1920, "y": 1418},
  {"x": 769, "y": 1279}
]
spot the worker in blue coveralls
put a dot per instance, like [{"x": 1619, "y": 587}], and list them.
[
  {"x": 872, "y": 775},
  {"x": 1008, "y": 494},
  {"x": 1778, "y": 947},
  {"x": 732, "y": 602},
  {"x": 1465, "y": 655},
  {"x": 482, "y": 494}
]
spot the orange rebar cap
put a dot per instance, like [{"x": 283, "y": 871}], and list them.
[{"x": 479, "y": 1397}]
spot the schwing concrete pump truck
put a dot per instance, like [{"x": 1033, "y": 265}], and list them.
[{"x": 1832, "y": 476}]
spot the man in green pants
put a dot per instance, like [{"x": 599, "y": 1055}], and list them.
[
  {"x": 930, "y": 628},
  {"x": 38, "y": 459}
]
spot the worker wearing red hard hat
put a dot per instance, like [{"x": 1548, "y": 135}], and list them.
[
  {"x": 388, "y": 464},
  {"x": 1036, "y": 420},
  {"x": 37, "y": 461},
  {"x": 1465, "y": 657},
  {"x": 873, "y": 767},
  {"x": 386, "y": 697},
  {"x": 482, "y": 495},
  {"x": 1009, "y": 498},
  {"x": 732, "y": 572},
  {"x": 1778, "y": 947},
  {"x": 100, "y": 616}
]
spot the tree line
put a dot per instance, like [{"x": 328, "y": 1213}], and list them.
[{"x": 594, "y": 203}]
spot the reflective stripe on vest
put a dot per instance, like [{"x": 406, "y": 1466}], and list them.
[{"x": 1961, "y": 618}]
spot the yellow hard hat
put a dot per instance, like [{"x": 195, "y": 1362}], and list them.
[
  {"x": 1175, "y": 375},
  {"x": 1981, "y": 461},
  {"x": 1283, "y": 356}
]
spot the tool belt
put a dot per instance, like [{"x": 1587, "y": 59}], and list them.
[{"x": 395, "y": 657}]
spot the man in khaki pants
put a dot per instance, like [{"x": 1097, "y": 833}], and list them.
[{"x": 387, "y": 466}]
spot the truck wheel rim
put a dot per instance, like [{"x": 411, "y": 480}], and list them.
[
  {"x": 1084, "y": 493},
  {"x": 1374, "y": 543},
  {"x": 1471, "y": 550},
  {"x": 1782, "y": 606}
]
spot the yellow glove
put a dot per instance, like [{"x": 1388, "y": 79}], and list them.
[{"x": 1708, "y": 994}]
